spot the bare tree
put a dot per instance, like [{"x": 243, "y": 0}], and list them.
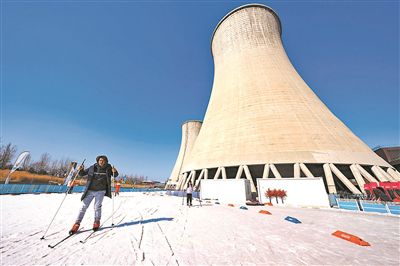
[
  {"x": 7, "y": 152},
  {"x": 63, "y": 166},
  {"x": 53, "y": 168},
  {"x": 43, "y": 164},
  {"x": 56, "y": 168}
]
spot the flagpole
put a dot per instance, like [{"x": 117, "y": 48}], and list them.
[{"x": 8, "y": 178}]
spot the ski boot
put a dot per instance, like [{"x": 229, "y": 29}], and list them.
[
  {"x": 96, "y": 225},
  {"x": 74, "y": 228}
]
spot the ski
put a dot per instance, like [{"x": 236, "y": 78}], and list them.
[
  {"x": 65, "y": 238},
  {"x": 59, "y": 242},
  {"x": 103, "y": 234},
  {"x": 83, "y": 241},
  {"x": 101, "y": 226}
]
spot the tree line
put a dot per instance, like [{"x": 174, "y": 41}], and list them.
[
  {"x": 44, "y": 166},
  {"x": 48, "y": 166}
]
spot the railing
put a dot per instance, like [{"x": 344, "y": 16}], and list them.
[
  {"x": 182, "y": 193},
  {"x": 16, "y": 189},
  {"x": 372, "y": 206},
  {"x": 30, "y": 189},
  {"x": 348, "y": 204},
  {"x": 393, "y": 209},
  {"x": 368, "y": 206}
]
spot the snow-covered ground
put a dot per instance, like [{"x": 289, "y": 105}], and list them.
[{"x": 156, "y": 229}]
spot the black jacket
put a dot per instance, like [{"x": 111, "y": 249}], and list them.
[{"x": 90, "y": 173}]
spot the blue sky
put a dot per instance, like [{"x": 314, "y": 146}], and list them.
[{"x": 82, "y": 78}]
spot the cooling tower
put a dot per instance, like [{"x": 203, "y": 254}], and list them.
[
  {"x": 190, "y": 131},
  {"x": 264, "y": 121}
]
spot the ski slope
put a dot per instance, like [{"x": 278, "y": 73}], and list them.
[{"x": 156, "y": 229}]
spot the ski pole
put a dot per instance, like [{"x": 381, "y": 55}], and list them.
[
  {"x": 112, "y": 196},
  {"x": 66, "y": 194}
]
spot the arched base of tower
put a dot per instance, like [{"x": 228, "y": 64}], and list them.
[{"x": 342, "y": 179}]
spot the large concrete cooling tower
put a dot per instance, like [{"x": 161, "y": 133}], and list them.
[
  {"x": 190, "y": 131},
  {"x": 263, "y": 121}
]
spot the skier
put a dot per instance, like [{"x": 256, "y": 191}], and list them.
[
  {"x": 117, "y": 187},
  {"x": 98, "y": 185},
  {"x": 189, "y": 191}
]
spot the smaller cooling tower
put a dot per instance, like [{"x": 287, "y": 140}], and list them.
[{"x": 190, "y": 131}]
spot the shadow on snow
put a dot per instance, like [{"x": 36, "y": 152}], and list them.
[{"x": 153, "y": 220}]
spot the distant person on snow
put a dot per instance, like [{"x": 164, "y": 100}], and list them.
[
  {"x": 98, "y": 185},
  {"x": 117, "y": 187},
  {"x": 189, "y": 191}
]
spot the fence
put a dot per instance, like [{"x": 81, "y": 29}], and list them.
[
  {"x": 368, "y": 206},
  {"x": 16, "y": 189},
  {"x": 30, "y": 189},
  {"x": 348, "y": 204},
  {"x": 371, "y": 206},
  {"x": 182, "y": 193},
  {"x": 393, "y": 209}
]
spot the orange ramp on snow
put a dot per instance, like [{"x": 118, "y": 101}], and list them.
[
  {"x": 352, "y": 238},
  {"x": 231, "y": 205},
  {"x": 264, "y": 212}
]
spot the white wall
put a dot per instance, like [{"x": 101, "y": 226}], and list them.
[
  {"x": 226, "y": 190},
  {"x": 301, "y": 192}
]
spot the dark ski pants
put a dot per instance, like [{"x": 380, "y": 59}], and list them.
[{"x": 189, "y": 199}]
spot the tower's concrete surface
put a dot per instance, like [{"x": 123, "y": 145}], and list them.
[
  {"x": 190, "y": 131},
  {"x": 264, "y": 121}
]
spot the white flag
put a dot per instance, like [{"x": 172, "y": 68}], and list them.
[
  {"x": 20, "y": 160},
  {"x": 18, "y": 163}
]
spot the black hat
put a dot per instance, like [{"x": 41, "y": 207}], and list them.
[{"x": 101, "y": 156}]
